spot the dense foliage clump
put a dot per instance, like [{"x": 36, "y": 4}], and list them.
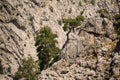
[
  {"x": 71, "y": 23},
  {"x": 93, "y": 2},
  {"x": 117, "y": 23},
  {"x": 117, "y": 20},
  {"x": 102, "y": 11},
  {"x": 46, "y": 47},
  {"x": 28, "y": 70}
]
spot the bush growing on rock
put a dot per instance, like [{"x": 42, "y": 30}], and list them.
[
  {"x": 103, "y": 13},
  {"x": 93, "y": 2},
  {"x": 71, "y": 23},
  {"x": 46, "y": 47},
  {"x": 80, "y": 18},
  {"x": 117, "y": 23},
  {"x": 29, "y": 70},
  {"x": 117, "y": 17}
]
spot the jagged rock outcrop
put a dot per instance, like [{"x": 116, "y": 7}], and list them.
[{"x": 88, "y": 53}]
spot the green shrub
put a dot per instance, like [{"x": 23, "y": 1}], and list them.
[
  {"x": 46, "y": 47},
  {"x": 1, "y": 67},
  {"x": 29, "y": 70},
  {"x": 102, "y": 11},
  {"x": 93, "y": 2},
  {"x": 70, "y": 23},
  {"x": 80, "y": 18},
  {"x": 117, "y": 17},
  {"x": 117, "y": 23}
]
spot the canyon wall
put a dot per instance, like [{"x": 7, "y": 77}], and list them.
[{"x": 90, "y": 52}]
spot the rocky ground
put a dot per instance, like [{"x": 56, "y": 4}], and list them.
[{"x": 90, "y": 52}]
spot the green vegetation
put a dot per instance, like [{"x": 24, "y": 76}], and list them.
[
  {"x": 46, "y": 47},
  {"x": 117, "y": 23},
  {"x": 1, "y": 67},
  {"x": 102, "y": 11},
  {"x": 29, "y": 70},
  {"x": 117, "y": 20},
  {"x": 80, "y": 18},
  {"x": 93, "y": 2},
  {"x": 70, "y": 23}
]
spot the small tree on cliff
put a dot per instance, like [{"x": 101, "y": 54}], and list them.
[
  {"x": 71, "y": 23},
  {"x": 29, "y": 70},
  {"x": 46, "y": 47}
]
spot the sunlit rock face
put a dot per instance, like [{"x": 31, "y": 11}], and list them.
[{"x": 87, "y": 53}]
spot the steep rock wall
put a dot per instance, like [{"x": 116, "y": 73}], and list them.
[{"x": 82, "y": 56}]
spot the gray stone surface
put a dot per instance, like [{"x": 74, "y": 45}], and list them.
[{"x": 86, "y": 56}]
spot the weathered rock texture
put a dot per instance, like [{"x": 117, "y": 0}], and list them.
[{"x": 91, "y": 52}]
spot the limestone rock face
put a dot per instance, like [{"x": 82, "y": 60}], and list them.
[{"x": 91, "y": 52}]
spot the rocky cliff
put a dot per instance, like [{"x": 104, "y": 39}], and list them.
[{"x": 90, "y": 52}]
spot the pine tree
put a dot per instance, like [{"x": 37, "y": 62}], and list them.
[
  {"x": 46, "y": 47},
  {"x": 28, "y": 70},
  {"x": 71, "y": 23}
]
